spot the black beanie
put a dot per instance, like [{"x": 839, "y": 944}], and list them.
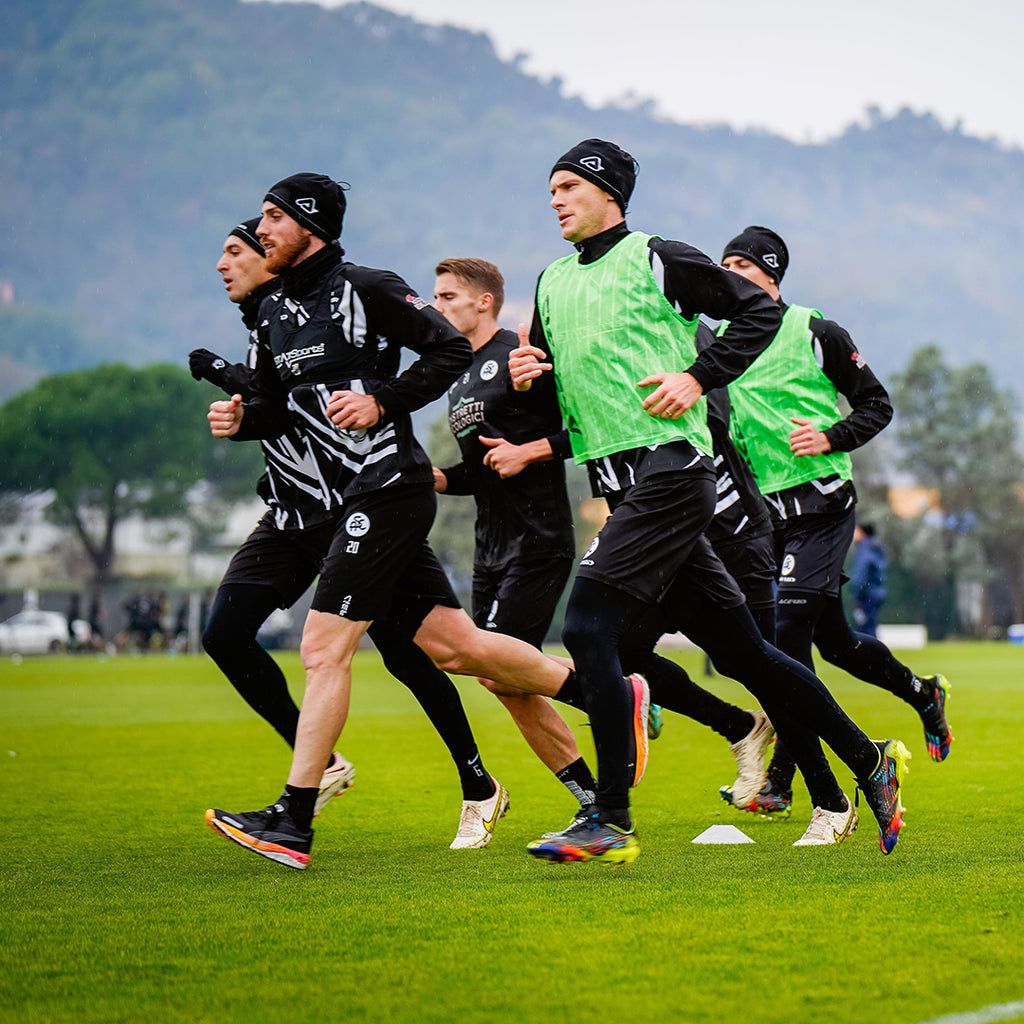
[
  {"x": 314, "y": 200},
  {"x": 763, "y": 247},
  {"x": 246, "y": 231},
  {"x": 603, "y": 164}
]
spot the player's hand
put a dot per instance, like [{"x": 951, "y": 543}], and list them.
[
  {"x": 675, "y": 393},
  {"x": 225, "y": 417},
  {"x": 440, "y": 481},
  {"x": 524, "y": 363},
  {"x": 349, "y": 410},
  {"x": 806, "y": 440},
  {"x": 505, "y": 458},
  {"x": 206, "y": 365}
]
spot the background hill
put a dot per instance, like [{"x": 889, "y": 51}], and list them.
[{"x": 136, "y": 132}]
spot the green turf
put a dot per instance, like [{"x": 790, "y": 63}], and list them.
[{"x": 117, "y": 903}]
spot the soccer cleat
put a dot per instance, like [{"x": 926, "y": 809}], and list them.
[
  {"x": 476, "y": 825},
  {"x": 882, "y": 791},
  {"x": 766, "y": 800},
  {"x": 828, "y": 828},
  {"x": 338, "y": 777},
  {"x": 655, "y": 721},
  {"x": 937, "y": 733},
  {"x": 749, "y": 753},
  {"x": 641, "y": 707},
  {"x": 577, "y": 819},
  {"x": 591, "y": 838},
  {"x": 271, "y": 833}
]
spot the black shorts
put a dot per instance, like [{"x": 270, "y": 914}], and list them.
[
  {"x": 379, "y": 565},
  {"x": 655, "y": 538},
  {"x": 520, "y": 599},
  {"x": 751, "y": 563},
  {"x": 811, "y": 550},
  {"x": 287, "y": 560}
]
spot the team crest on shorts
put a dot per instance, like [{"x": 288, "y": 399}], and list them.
[
  {"x": 587, "y": 560},
  {"x": 489, "y": 370},
  {"x": 357, "y": 524},
  {"x": 786, "y": 572}
]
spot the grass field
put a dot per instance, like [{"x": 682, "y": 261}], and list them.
[{"x": 117, "y": 903}]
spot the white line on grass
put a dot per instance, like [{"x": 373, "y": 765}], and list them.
[{"x": 986, "y": 1015}]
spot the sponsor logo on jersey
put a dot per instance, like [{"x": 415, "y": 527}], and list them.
[
  {"x": 308, "y": 204},
  {"x": 416, "y": 301},
  {"x": 344, "y": 604},
  {"x": 293, "y": 357},
  {"x": 464, "y": 415},
  {"x": 488, "y": 370},
  {"x": 592, "y": 163},
  {"x": 357, "y": 524},
  {"x": 857, "y": 359}
]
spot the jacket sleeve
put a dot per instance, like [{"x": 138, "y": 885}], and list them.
[
  {"x": 870, "y": 408},
  {"x": 693, "y": 284},
  {"x": 443, "y": 352}
]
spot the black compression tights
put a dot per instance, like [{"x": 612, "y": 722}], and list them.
[
  {"x": 596, "y": 620},
  {"x": 808, "y": 618},
  {"x": 440, "y": 700},
  {"x": 230, "y": 639},
  {"x": 793, "y": 697}
]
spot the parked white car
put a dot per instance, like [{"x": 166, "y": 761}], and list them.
[{"x": 34, "y": 632}]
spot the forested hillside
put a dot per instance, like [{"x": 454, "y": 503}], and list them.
[{"x": 136, "y": 132}]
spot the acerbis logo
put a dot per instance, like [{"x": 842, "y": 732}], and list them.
[
  {"x": 771, "y": 259},
  {"x": 308, "y": 205},
  {"x": 592, "y": 163},
  {"x": 357, "y": 525},
  {"x": 488, "y": 370}
]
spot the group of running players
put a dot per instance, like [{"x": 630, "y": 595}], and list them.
[{"x": 723, "y": 458}]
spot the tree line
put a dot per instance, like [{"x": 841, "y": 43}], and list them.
[{"x": 116, "y": 440}]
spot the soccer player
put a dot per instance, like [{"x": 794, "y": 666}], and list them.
[
  {"x": 615, "y": 323},
  {"x": 282, "y": 557},
  {"x": 787, "y": 423},
  {"x": 512, "y": 446}
]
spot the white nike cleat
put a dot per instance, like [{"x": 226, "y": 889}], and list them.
[
  {"x": 827, "y": 828},
  {"x": 335, "y": 780},
  {"x": 476, "y": 826},
  {"x": 749, "y": 753}
]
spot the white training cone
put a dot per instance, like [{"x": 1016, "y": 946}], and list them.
[{"x": 723, "y": 835}]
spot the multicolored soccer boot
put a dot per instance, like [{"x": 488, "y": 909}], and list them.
[
  {"x": 593, "y": 838},
  {"x": 766, "y": 801},
  {"x": 655, "y": 722},
  {"x": 882, "y": 791},
  {"x": 270, "y": 832},
  {"x": 937, "y": 733}
]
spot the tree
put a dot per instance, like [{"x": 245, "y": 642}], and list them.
[
  {"x": 958, "y": 434},
  {"x": 112, "y": 441}
]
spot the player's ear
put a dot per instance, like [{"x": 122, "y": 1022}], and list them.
[{"x": 485, "y": 303}]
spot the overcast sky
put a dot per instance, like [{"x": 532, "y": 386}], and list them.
[{"x": 800, "y": 68}]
